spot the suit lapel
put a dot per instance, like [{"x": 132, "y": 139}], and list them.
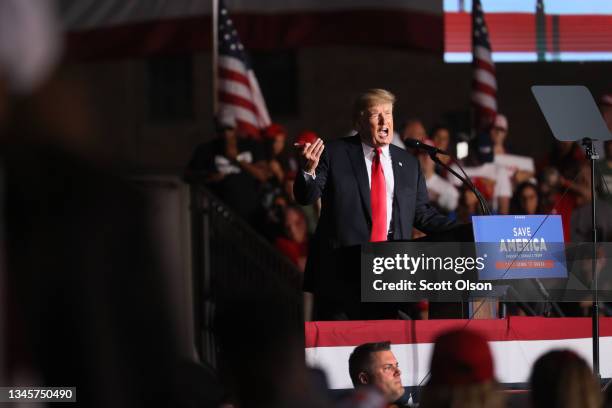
[
  {"x": 398, "y": 181},
  {"x": 355, "y": 152}
]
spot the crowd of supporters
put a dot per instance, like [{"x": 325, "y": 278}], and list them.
[{"x": 255, "y": 178}]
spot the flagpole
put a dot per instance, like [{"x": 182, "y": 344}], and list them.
[{"x": 215, "y": 56}]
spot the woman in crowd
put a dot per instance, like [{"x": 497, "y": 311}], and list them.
[
  {"x": 561, "y": 379},
  {"x": 526, "y": 200}
]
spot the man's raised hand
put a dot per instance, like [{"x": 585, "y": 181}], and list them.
[{"x": 311, "y": 153}]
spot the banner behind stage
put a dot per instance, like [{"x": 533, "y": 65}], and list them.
[{"x": 516, "y": 344}]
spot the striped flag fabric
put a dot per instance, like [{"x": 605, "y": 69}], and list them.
[
  {"x": 484, "y": 82},
  {"x": 516, "y": 344},
  {"x": 241, "y": 103}
]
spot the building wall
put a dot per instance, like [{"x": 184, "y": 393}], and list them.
[{"x": 329, "y": 78}]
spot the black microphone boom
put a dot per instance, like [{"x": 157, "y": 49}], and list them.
[
  {"x": 415, "y": 144},
  {"x": 433, "y": 152}
]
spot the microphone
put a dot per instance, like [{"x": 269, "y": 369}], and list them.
[
  {"x": 432, "y": 151},
  {"x": 415, "y": 144}
]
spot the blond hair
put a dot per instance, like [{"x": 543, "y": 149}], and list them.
[{"x": 369, "y": 98}]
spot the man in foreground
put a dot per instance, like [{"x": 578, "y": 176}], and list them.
[{"x": 375, "y": 365}]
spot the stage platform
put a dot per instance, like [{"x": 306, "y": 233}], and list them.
[{"x": 516, "y": 343}]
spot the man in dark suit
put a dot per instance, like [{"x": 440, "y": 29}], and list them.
[{"x": 370, "y": 191}]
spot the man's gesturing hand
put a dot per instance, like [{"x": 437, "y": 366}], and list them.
[{"x": 311, "y": 153}]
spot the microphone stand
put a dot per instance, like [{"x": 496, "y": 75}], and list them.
[
  {"x": 546, "y": 295},
  {"x": 592, "y": 155},
  {"x": 485, "y": 210}
]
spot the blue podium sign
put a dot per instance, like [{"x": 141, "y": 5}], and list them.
[{"x": 520, "y": 246}]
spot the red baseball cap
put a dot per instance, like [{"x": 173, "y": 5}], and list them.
[
  {"x": 273, "y": 130},
  {"x": 461, "y": 357},
  {"x": 307, "y": 136}
]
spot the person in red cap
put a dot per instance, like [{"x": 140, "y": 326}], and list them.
[
  {"x": 462, "y": 373},
  {"x": 280, "y": 160}
]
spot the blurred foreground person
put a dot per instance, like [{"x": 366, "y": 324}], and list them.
[
  {"x": 561, "y": 379},
  {"x": 81, "y": 294},
  {"x": 462, "y": 373},
  {"x": 374, "y": 365},
  {"x": 261, "y": 351}
]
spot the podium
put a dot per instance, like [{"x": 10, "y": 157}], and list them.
[
  {"x": 451, "y": 310},
  {"x": 338, "y": 290}
]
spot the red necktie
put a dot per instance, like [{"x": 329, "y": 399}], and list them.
[{"x": 378, "y": 198}]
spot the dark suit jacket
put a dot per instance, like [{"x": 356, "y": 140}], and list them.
[{"x": 346, "y": 215}]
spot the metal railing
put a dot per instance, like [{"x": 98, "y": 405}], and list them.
[{"x": 230, "y": 261}]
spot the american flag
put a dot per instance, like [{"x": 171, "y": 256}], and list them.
[
  {"x": 484, "y": 84},
  {"x": 241, "y": 103}
]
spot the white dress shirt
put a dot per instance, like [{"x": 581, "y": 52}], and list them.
[{"x": 387, "y": 165}]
